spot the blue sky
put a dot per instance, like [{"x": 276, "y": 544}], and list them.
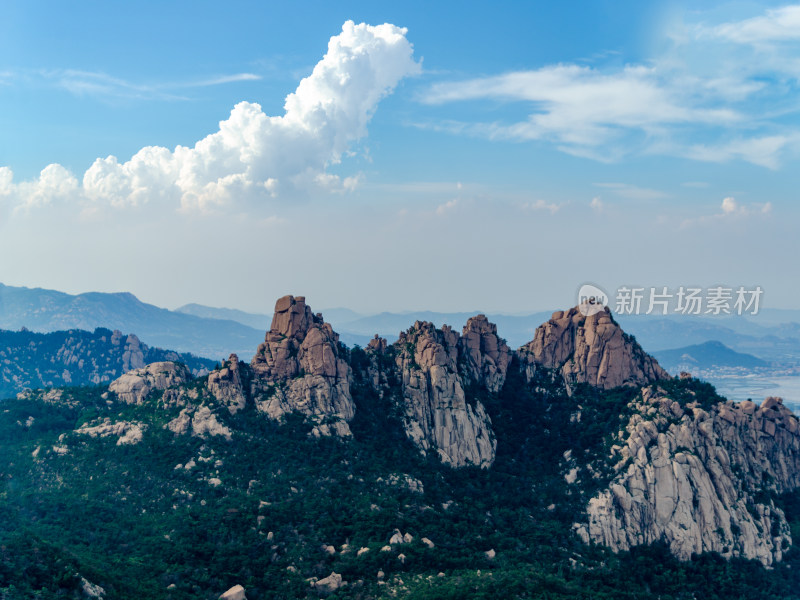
[{"x": 484, "y": 157}]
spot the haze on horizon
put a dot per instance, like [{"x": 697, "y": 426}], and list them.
[{"x": 387, "y": 159}]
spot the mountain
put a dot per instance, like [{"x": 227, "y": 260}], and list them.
[
  {"x": 772, "y": 343},
  {"x": 444, "y": 465},
  {"x": 47, "y": 310},
  {"x": 254, "y": 320},
  {"x": 706, "y": 356},
  {"x": 76, "y": 357}
]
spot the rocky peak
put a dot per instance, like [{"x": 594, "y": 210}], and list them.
[
  {"x": 292, "y": 318},
  {"x": 590, "y": 349},
  {"x": 300, "y": 368},
  {"x": 377, "y": 344},
  {"x": 225, "y": 384},
  {"x": 437, "y": 416},
  {"x": 485, "y": 355}
]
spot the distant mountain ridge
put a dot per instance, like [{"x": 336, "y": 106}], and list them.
[
  {"x": 705, "y": 356},
  {"x": 215, "y": 332},
  {"x": 77, "y": 357},
  {"x": 44, "y": 311}
]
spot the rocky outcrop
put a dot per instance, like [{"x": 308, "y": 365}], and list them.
[
  {"x": 126, "y": 432},
  {"x": 200, "y": 421},
  {"x": 589, "y": 349},
  {"x": 437, "y": 416},
  {"x": 225, "y": 384},
  {"x": 485, "y": 356},
  {"x": 132, "y": 355},
  {"x": 133, "y": 387},
  {"x": 692, "y": 477},
  {"x": 300, "y": 368}
]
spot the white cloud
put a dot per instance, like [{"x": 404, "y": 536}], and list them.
[
  {"x": 54, "y": 182},
  {"x": 581, "y": 107},
  {"x": 253, "y": 155},
  {"x": 780, "y": 24},
  {"x": 596, "y": 204},
  {"x": 730, "y": 208},
  {"x": 718, "y": 92},
  {"x": 765, "y": 151},
  {"x": 551, "y": 207}
]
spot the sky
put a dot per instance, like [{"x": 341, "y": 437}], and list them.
[{"x": 399, "y": 156}]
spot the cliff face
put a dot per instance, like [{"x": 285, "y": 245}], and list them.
[
  {"x": 696, "y": 478},
  {"x": 299, "y": 368},
  {"x": 591, "y": 350},
  {"x": 437, "y": 415}
]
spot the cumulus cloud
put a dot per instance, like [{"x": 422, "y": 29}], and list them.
[{"x": 254, "y": 155}]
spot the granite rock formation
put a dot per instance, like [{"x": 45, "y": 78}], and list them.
[
  {"x": 300, "y": 368},
  {"x": 485, "y": 356},
  {"x": 437, "y": 416},
  {"x": 591, "y": 350},
  {"x": 134, "y": 386},
  {"x": 225, "y": 384},
  {"x": 693, "y": 478}
]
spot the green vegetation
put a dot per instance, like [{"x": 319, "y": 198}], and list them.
[{"x": 130, "y": 519}]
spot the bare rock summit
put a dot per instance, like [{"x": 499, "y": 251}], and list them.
[
  {"x": 589, "y": 349},
  {"x": 300, "y": 368}
]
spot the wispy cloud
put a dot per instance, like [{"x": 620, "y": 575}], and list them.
[
  {"x": 633, "y": 192},
  {"x": 777, "y": 25},
  {"x": 104, "y": 86},
  {"x": 693, "y": 101}
]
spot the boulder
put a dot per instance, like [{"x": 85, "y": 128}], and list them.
[
  {"x": 328, "y": 584},
  {"x": 235, "y": 593}
]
